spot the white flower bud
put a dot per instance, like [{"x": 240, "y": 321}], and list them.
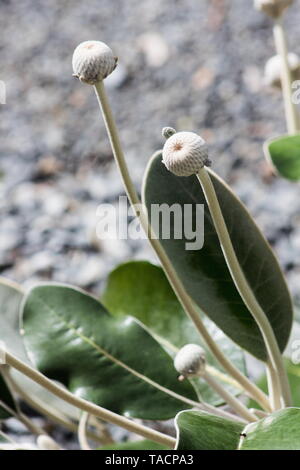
[
  {"x": 185, "y": 153},
  {"x": 190, "y": 361},
  {"x": 273, "y": 8},
  {"x": 93, "y": 61},
  {"x": 273, "y": 69}
]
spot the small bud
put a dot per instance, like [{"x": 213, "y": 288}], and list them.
[
  {"x": 185, "y": 153},
  {"x": 190, "y": 361},
  {"x": 168, "y": 132},
  {"x": 93, "y": 61},
  {"x": 273, "y": 8},
  {"x": 273, "y": 69}
]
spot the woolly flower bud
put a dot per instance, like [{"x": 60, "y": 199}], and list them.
[
  {"x": 273, "y": 8},
  {"x": 273, "y": 69},
  {"x": 185, "y": 153},
  {"x": 190, "y": 361},
  {"x": 93, "y": 61}
]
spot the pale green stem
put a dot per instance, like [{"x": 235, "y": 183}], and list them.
[
  {"x": 89, "y": 407},
  {"x": 233, "y": 402},
  {"x": 291, "y": 114},
  {"x": 82, "y": 432},
  {"x": 167, "y": 266},
  {"x": 243, "y": 287},
  {"x": 273, "y": 384}
]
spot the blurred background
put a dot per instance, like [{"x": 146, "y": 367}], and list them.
[{"x": 191, "y": 64}]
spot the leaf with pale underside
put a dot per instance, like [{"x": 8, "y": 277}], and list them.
[{"x": 279, "y": 431}]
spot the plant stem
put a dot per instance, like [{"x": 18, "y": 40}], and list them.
[
  {"x": 167, "y": 266},
  {"x": 273, "y": 384},
  {"x": 82, "y": 432},
  {"x": 45, "y": 382},
  {"x": 233, "y": 402},
  {"x": 23, "y": 419},
  {"x": 89, "y": 407},
  {"x": 291, "y": 114},
  {"x": 243, "y": 287}
]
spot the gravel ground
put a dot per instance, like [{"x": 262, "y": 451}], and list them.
[{"x": 194, "y": 65}]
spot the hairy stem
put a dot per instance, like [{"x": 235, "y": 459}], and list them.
[
  {"x": 291, "y": 114},
  {"x": 244, "y": 289},
  {"x": 167, "y": 266}
]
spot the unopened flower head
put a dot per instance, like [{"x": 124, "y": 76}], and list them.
[
  {"x": 93, "y": 61},
  {"x": 185, "y": 153},
  {"x": 274, "y": 65},
  {"x": 273, "y": 8},
  {"x": 190, "y": 361}
]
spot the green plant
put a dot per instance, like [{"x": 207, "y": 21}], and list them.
[{"x": 163, "y": 341}]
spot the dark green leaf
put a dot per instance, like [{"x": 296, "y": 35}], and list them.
[
  {"x": 197, "y": 430},
  {"x": 204, "y": 272},
  {"x": 142, "y": 290},
  {"x": 112, "y": 362},
  {"x": 284, "y": 154},
  {"x": 279, "y": 431},
  {"x": 135, "y": 445}
]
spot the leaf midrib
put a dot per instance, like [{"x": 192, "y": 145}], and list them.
[{"x": 109, "y": 356}]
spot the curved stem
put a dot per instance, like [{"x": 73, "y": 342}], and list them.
[
  {"x": 84, "y": 405},
  {"x": 82, "y": 431},
  {"x": 233, "y": 402},
  {"x": 167, "y": 266},
  {"x": 291, "y": 114},
  {"x": 243, "y": 287}
]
